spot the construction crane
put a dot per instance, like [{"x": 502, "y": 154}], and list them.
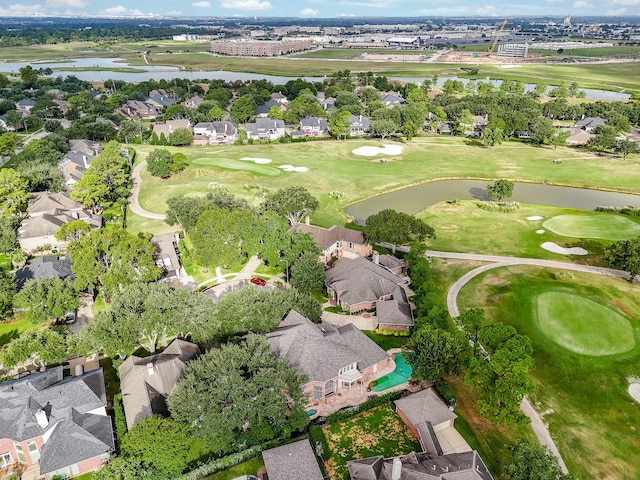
[{"x": 495, "y": 42}]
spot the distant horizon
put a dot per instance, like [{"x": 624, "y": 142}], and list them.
[{"x": 317, "y": 9}]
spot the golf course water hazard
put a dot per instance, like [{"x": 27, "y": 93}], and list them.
[{"x": 414, "y": 199}]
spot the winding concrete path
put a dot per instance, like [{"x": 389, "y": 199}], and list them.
[
  {"x": 497, "y": 261},
  {"x": 134, "y": 204}
]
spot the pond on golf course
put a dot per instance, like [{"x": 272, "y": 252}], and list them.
[{"x": 414, "y": 199}]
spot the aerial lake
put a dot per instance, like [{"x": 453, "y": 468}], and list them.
[{"x": 414, "y": 199}]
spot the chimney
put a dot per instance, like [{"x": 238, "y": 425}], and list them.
[
  {"x": 150, "y": 368},
  {"x": 396, "y": 470},
  {"x": 84, "y": 160},
  {"x": 41, "y": 418},
  {"x": 307, "y": 220},
  {"x": 376, "y": 257}
]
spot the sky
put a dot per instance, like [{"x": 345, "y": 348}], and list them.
[{"x": 320, "y": 8}]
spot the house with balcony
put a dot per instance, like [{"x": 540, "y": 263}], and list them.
[
  {"x": 314, "y": 127},
  {"x": 215, "y": 133},
  {"x": 265, "y": 129},
  {"x": 334, "y": 359},
  {"x": 359, "y": 126},
  {"x": 336, "y": 242},
  {"x": 170, "y": 126},
  {"x": 52, "y": 426}
]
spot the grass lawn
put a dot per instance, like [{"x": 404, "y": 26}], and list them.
[
  {"x": 111, "y": 378},
  {"x": 378, "y": 431},
  {"x": 386, "y": 341},
  {"x": 584, "y": 399},
  {"x": 463, "y": 227},
  {"x": 583, "y": 326},
  {"x": 333, "y": 167},
  {"x": 602, "y": 226},
  {"x": 11, "y": 329},
  {"x": 247, "y": 468}
]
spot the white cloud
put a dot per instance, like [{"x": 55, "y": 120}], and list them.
[
  {"x": 345, "y": 15},
  {"x": 245, "y": 4},
  {"x": 624, "y": 2},
  {"x": 618, "y": 12},
  {"x": 67, "y": 3},
  {"x": 173, "y": 13},
  {"x": 582, "y": 4},
  {"x": 121, "y": 11},
  {"x": 21, "y": 10},
  {"x": 201, "y": 4},
  {"x": 309, "y": 12}
]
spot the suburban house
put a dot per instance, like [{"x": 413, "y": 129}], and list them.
[
  {"x": 44, "y": 267},
  {"x": 170, "y": 126},
  {"x": 135, "y": 109},
  {"x": 5, "y": 125},
  {"x": 167, "y": 254},
  {"x": 24, "y": 106},
  {"x": 446, "y": 455},
  {"x": 336, "y": 242},
  {"x": 221, "y": 133},
  {"x": 333, "y": 358},
  {"x": 265, "y": 129},
  {"x": 390, "y": 262},
  {"x": 579, "y": 136},
  {"x": 160, "y": 98},
  {"x": 359, "y": 126},
  {"x": 314, "y": 127},
  {"x": 73, "y": 165},
  {"x": 62, "y": 105},
  {"x": 480, "y": 122},
  {"x": 391, "y": 99},
  {"x": 147, "y": 382},
  {"x": 108, "y": 121},
  {"x": 47, "y": 212},
  {"x": 328, "y": 104},
  {"x": 588, "y": 124},
  {"x": 52, "y": 426},
  {"x": 88, "y": 147},
  {"x": 361, "y": 284},
  {"x": 294, "y": 461},
  {"x": 193, "y": 102}
]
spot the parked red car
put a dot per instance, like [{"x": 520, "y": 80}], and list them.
[{"x": 258, "y": 281}]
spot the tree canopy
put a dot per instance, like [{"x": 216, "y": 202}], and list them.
[
  {"x": 47, "y": 299},
  {"x": 500, "y": 189},
  {"x": 534, "y": 462},
  {"x": 292, "y": 203},
  {"x": 39, "y": 346},
  {"x": 624, "y": 255},
  {"x": 240, "y": 395},
  {"x": 307, "y": 273},
  {"x": 396, "y": 228},
  {"x": 435, "y": 353}
]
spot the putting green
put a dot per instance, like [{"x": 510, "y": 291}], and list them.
[
  {"x": 582, "y": 325},
  {"x": 603, "y": 226}
]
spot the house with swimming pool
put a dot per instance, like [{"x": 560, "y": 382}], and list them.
[{"x": 337, "y": 360}]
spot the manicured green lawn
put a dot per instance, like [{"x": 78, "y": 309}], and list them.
[
  {"x": 463, "y": 227},
  {"x": 332, "y": 167},
  {"x": 378, "y": 431},
  {"x": 583, "y": 399},
  {"x": 605, "y": 226},
  {"x": 385, "y": 341},
  {"x": 247, "y": 468},
  {"x": 582, "y": 325},
  {"x": 12, "y": 329}
]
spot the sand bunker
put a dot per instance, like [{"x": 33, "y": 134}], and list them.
[
  {"x": 291, "y": 168},
  {"x": 534, "y": 217},
  {"x": 261, "y": 161},
  {"x": 555, "y": 248},
  {"x": 373, "y": 151},
  {"x": 634, "y": 389},
  {"x": 540, "y": 232}
]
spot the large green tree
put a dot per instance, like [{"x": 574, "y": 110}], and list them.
[
  {"x": 292, "y": 203},
  {"x": 624, "y": 255},
  {"x": 8, "y": 232},
  {"x": 38, "y": 346},
  {"x": 307, "y": 273},
  {"x": 7, "y": 292},
  {"x": 14, "y": 192},
  {"x": 72, "y": 231},
  {"x": 396, "y": 228},
  {"x": 435, "y": 353},
  {"x": 500, "y": 190},
  {"x": 47, "y": 299},
  {"x": 158, "y": 163},
  {"x": 240, "y": 395},
  {"x": 113, "y": 259},
  {"x": 534, "y": 462},
  {"x": 339, "y": 124}
]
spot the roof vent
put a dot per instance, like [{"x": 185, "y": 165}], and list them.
[
  {"x": 150, "y": 368},
  {"x": 41, "y": 418}
]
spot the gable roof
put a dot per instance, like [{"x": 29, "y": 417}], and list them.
[
  {"x": 312, "y": 122},
  {"x": 425, "y": 406},
  {"x": 358, "y": 121},
  {"x": 361, "y": 280},
  {"x": 325, "y": 237},
  {"x": 146, "y": 382},
  {"x": 421, "y": 466},
  {"x": 321, "y": 351},
  {"x": 76, "y": 434},
  {"x": 48, "y": 202},
  {"x": 589, "y": 123},
  {"x": 44, "y": 267},
  {"x": 294, "y": 461},
  {"x": 396, "y": 311}
]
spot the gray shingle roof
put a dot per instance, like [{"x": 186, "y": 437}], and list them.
[
  {"x": 295, "y": 461},
  {"x": 422, "y": 466},
  {"x": 425, "y": 406},
  {"x": 145, "y": 389},
  {"x": 396, "y": 311},
  {"x": 321, "y": 351},
  {"x": 44, "y": 267},
  {"x": 76, "y": 433}
]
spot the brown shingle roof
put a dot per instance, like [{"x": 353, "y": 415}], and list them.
[{"x": 325, "y": 237}]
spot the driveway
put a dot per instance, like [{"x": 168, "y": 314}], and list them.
[
  {"x": 134, "y": 204},
  {"x": 84, "y": 315}
]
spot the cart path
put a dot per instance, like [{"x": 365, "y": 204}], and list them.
[{"x": 134, "y": 204}]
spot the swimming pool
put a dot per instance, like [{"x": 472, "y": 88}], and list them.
[{"x": 400, "y": 375}]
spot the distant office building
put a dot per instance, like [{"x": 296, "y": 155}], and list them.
[
  {"x": 259, "y": 48},
  {"x": 513, "y": 50}
]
